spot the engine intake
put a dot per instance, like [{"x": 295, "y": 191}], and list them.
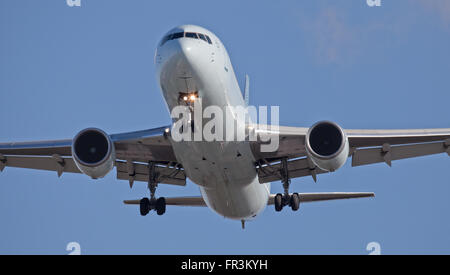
[
  {"x": 93, "y": 152},
  {"x": 327, "y": 145}
]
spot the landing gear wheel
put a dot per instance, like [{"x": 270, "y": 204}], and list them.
[
  {"x": 278, "y": 201},
  {"x": 295, "y": 202},
  {"x": 144, "y": 206},
  {"x": 160, "y": 206}
]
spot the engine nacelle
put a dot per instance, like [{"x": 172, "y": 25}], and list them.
[
  {"x": 93, "y": 152},
  {"x": 327, "y": 145}
]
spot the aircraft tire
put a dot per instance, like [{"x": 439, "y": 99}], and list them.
[
  {"x": 144, "y": 206},
  {"x": 295, "y": 202},
  {"x": 160, "y": 206},
  {"x": 278, "y": 202}
]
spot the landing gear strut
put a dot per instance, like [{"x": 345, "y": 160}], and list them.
[
  {"x": 282, "y": 200},
  {"x": 148, "y": 204}
]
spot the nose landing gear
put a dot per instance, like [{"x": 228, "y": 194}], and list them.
[{"x": 148, "y": 204}]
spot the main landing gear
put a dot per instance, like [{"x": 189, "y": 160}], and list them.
[
  {"x": 159, "y": 205},
  {"x": 282, "y": 200},
  {"x": 148, "y": 204}
]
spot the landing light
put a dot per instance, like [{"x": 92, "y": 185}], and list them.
[
  {"x": 185, "y": 98},
  {"x": 192, "y": 97}
]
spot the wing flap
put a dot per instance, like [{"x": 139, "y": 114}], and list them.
[
  {"x": 167, "y": 174},
  {"x": 371, "y": 138},
  {"x": 389, "y": 153},
  {"x": 297, "y": 168},
  {"x": 54, "y": 163}
]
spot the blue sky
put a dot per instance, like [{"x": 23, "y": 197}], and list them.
[{"x": 63, "y": 69}]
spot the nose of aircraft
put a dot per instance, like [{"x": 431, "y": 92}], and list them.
[
  {"x": 183, "y": 54},
  {"x": 196, "y": 53},
  {"x": 183, "y": 57},
  {"x": 188, "y": 50}
]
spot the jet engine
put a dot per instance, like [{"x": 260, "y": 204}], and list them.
[
  {"x": 327, "y": 145},
  {"x": 93, "y": 152}
]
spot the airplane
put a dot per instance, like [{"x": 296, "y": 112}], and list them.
[{"x": 233, "y": 176}]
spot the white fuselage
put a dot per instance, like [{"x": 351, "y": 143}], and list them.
[{"x": 224, "y": 170}]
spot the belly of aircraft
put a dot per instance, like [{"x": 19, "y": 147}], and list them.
[{"x": 226, "y": 175}]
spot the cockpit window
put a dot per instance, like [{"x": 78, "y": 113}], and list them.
[
  {"x": 209, "y": 40},
  {"x": 192, "y": 35},
  {"x": 202, "y": 37},
  {"x": 178, "y": 35},
  {"x": 165, "y": 39}
]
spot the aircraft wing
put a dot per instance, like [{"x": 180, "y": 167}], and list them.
[
  {"x": 366, "y": 147},
  {"x": 134, "y": 150}
]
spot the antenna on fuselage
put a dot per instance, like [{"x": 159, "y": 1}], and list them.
[
  {"x": 247, "y": 90},
  {"x": 243, "y": 224}
]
